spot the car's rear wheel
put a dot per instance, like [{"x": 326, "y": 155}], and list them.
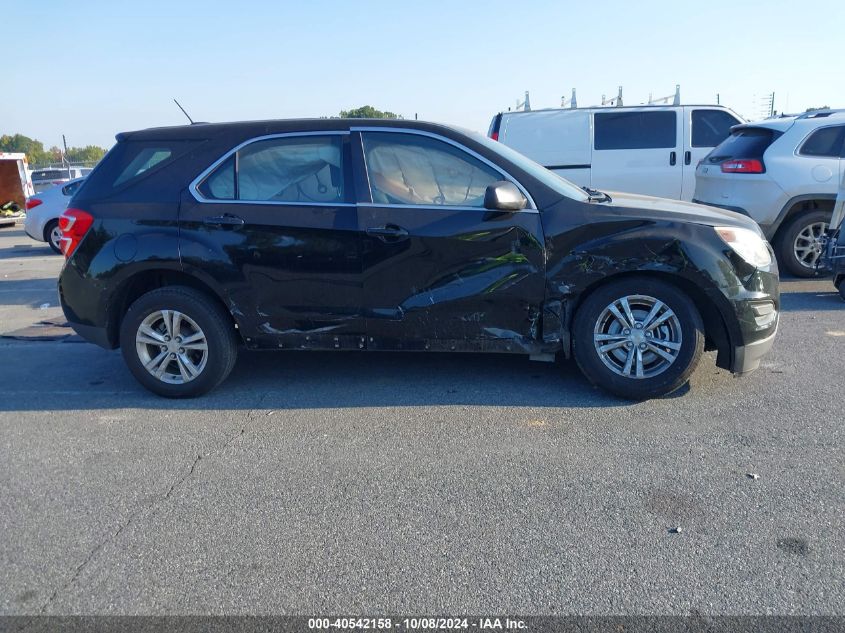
[
  {"x": 177, "y": 342},
  {"x": 801, "y": 245},
  {"x": 53, "y": 236},
  {"x": 638, "y": 338}
]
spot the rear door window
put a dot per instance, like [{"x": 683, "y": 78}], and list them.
[
  {"x": 293, "y": 169},
  {"x": 826, "y": 141},
  {"x": 635, "y": 130},
  {"x": 711, "y": 127}
]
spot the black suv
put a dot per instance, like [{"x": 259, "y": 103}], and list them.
[{"x": 188, "y": 242}]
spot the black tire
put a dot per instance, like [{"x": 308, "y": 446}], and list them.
[
  {"x": 841, "y": 288},
  {"x": 212, "y": 321},
  {"x": 48, "y": 236},
  {"x": 787, "y": 258},
  {"x": 687, "y": 321}
]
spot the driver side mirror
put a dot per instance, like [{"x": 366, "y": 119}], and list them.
[{"x": 503, "y": 195}]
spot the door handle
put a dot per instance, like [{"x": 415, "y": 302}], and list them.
[
  {"x": 673, "y": 158},
  {"x": 227, "y": 219},
  {"x": 687, "y": 157},
  {"x": 388, "y": 232}
]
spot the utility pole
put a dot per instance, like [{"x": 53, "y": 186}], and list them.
[{"x": 64, "y": 156}]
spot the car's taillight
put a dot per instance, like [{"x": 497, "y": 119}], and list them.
[
  {"x": 495, "y": 136},
  {"x": 32, "y": 203},
  {"x": 743, "y": 166},
  {"x": 74, "y": 224}
]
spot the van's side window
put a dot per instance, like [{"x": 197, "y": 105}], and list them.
[
  {"x": 711, "y": 127},
  {"x": 635, "y": 130}
]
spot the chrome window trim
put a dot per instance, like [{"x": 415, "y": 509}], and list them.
[
  {"x": 443, "y": 207},
  {"x": 404, "y": 130},
  {"x": 196, "y": 182}
]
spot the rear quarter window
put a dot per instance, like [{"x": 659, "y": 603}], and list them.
[
  {"x": 130, "y": 162},
  {"x": 824, "y": 142},
  {"x": 144, "y": 160}
]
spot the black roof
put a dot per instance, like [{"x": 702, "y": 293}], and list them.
[{"x": 272, "y": 126}]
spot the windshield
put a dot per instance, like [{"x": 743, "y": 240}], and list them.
[{"x": 548, "y": 178}]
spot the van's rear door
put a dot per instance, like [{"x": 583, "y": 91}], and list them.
[
  {"x": 557, "y": 139},
  {"x": 638, "y": 150},
  {"x": 704, "y": 129}
]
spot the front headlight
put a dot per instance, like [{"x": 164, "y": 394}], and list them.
[{"x": 747, "y": 244}]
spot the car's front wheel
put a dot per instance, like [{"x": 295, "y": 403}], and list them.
[
  {"x": 53, "y": 236},
  {"x": 177, "y": 342},
  {"x": 638, "y": 338}
]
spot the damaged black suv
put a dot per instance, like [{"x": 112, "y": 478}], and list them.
[{"x": 188, "y": 242}]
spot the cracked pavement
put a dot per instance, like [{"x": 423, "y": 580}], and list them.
[{"x": 315, "y": 483}]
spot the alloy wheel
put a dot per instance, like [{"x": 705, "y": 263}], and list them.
[
  {"x": 808, "y": 244},
  {"x": 637, "y": 336},
  {"x": 56, "y": 238},
  {"x": 171, "y": 347}
]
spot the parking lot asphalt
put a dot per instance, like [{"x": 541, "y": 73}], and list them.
[{"x": 399, "y": 483}]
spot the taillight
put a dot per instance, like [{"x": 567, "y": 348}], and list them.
[
  {"x": 32, "y": 203},
  {"x": 743, "y": 166},
  {"x": 495, "y": 136},
  {"x": 74, "y": 224}
]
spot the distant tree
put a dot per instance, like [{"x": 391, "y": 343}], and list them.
[
  {"x": 37, "y": 155},
  {"x": 54, "y": 155},
  {"x": 816, "y": 109},
  {"x": 87, "y": 154},
  {"x": 368, "y": 112},
  {"x": 33, "y": 149}
]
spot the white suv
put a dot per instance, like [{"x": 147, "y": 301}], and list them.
[{"x": 784, "y": 173}]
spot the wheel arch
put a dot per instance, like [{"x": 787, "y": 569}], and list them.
[
  {"x": 47, "y": 227},
  {"x": 143, "y": 281},
  {"x": 805, "y": 203},
  {"x": 717, "y": 333}
]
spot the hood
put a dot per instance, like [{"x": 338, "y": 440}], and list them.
[{"x": 653, "y": 208}]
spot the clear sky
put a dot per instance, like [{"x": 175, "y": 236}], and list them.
[{"x": 91, "y": 68}]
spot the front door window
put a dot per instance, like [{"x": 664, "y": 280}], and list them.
[{"x": 417, "y": 170}]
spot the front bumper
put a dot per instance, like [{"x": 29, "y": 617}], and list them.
[{"x": 747, "y": 357}]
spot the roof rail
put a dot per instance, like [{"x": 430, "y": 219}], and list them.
[{"x": 812, "y": 114}]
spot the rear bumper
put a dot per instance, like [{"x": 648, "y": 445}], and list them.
[
  {"x": 747, "y": 357},
  {"x": 726, "y": 207},
  {"x": 31, "y": 230},
  {"x": 93, "y": 330},
  {"x": 93, "y": 334}
]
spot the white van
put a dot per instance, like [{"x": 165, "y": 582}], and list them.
[{"x": 650, "y": 149}]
